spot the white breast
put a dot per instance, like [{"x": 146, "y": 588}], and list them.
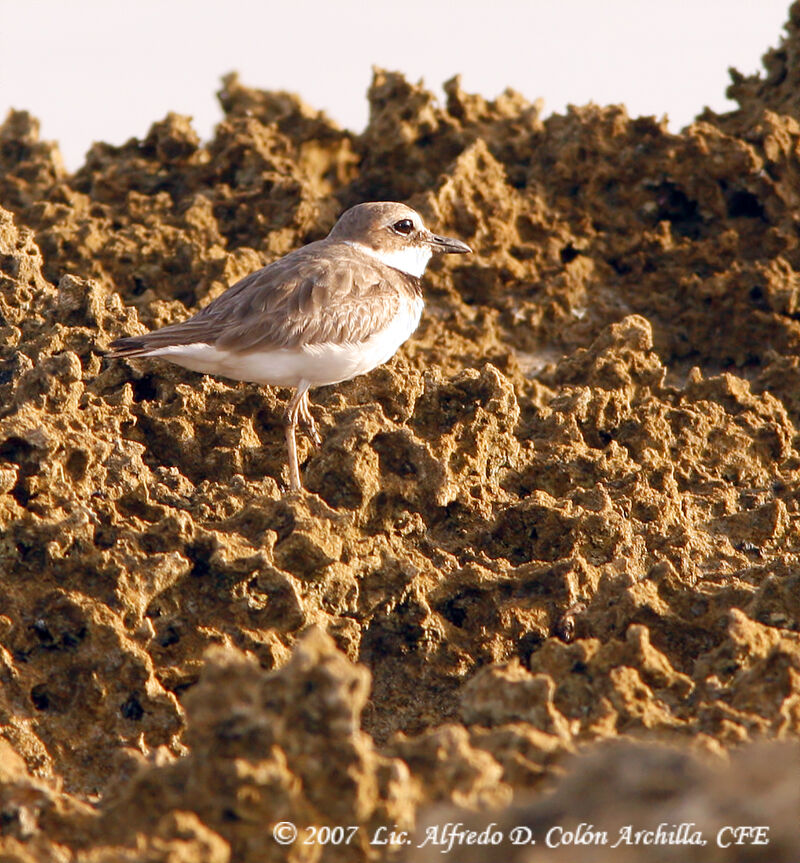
[{"x": 317, "y": 365}]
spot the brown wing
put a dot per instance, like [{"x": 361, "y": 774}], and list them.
[{"x": 323, "y": 292}]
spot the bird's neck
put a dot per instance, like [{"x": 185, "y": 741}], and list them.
[{"x": 410, "y": 260}]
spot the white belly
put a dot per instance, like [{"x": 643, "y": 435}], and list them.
[{"x": 316, "y": 365}]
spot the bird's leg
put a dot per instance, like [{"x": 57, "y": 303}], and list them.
[
  {"x": 307, "y": 420},
  {"x": 290, "y": 423}
]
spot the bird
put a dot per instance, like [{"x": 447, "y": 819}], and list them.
[{"x": 322, "y": 314}]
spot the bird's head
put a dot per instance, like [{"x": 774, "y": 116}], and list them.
[{"x": 394, "y": 234}]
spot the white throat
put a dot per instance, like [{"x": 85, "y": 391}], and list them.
[{"x": 411, "y": 260}]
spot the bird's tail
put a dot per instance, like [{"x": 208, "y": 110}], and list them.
[
  {"x": 196, "y": 329},
  {"x": 130, "y": 346}
]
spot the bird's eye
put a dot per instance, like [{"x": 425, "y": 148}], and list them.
[{"x": 404, "y": 226}]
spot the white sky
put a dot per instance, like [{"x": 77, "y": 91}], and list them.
[{"x": 105, "y": 69}]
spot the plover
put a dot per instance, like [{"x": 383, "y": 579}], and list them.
[{"x": 322, "y": 314}]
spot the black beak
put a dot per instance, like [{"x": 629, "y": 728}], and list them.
[{"x": 447, "y": 245}]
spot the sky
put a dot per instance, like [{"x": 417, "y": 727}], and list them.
[{"x": 105, "y": 70}]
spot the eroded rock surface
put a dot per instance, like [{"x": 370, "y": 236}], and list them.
[{"x": 566, "y": 512}]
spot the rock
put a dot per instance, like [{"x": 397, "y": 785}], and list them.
[{"x": 565, "y": 514}]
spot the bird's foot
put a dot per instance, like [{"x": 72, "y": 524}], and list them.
[
  {"x": 306, "y": 421},
  {"x": 310, "y": 428}
]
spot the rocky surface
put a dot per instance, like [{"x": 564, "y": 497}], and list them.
[{"x": 566, "y": 513}]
